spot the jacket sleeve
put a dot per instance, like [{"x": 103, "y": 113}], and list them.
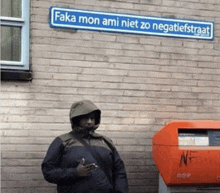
[
  {"x": 119, "y": 174},
  {"x": 51, "y": 167}
]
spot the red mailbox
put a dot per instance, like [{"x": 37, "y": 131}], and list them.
[{"x": 187, "y": 152}]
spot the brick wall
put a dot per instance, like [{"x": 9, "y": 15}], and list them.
[{"x": 139, "y": 82}]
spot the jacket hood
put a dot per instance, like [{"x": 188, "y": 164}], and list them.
[{"x": 81, "y": 108}]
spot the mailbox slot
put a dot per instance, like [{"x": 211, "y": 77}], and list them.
[
  {"x": 198, "y": 137},
  {"x": 193, "y": 137}
]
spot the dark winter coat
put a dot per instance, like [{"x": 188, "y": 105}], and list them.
[{"x": 66, "y": 152}]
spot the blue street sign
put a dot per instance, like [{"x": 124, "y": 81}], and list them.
[{"x": 132, "y": 24}]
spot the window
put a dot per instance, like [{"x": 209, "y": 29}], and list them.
[{"x": 15, "y": 35}]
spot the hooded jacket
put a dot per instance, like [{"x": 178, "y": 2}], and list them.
[{"x": 66, "y": 152}]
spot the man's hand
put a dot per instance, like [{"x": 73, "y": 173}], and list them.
[{"x": 84, "y": 169}]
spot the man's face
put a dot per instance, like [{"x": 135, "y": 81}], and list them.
[{"x": 87, "y": 122}]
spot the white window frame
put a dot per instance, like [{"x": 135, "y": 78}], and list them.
[{"x": 24, "y": 23}]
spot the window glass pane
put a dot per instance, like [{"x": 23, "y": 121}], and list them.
[
  {"x": 10, "y": 43},
  {"x": 11, "y": 8}
]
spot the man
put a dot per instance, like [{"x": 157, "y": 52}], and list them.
[{"x": 83, "y": 161}]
